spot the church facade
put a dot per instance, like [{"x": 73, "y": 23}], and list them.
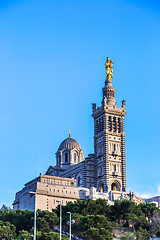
[
  {"x": 100, "y": 175},
  {"x": 106, "y": 168}
]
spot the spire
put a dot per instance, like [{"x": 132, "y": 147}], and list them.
[{"x": 108, "y": 90}]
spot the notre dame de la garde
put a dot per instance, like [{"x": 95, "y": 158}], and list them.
[{"x": 100, "y": 175}]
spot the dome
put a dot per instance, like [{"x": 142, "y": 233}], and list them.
[
  {"x": 69, "y": 143},
  {"x": 69, "y": 153}
]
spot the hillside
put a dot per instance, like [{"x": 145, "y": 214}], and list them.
[{"x": 94, "y": 220}]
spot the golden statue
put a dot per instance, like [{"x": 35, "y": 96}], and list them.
[{"x": 109, "y": 69}]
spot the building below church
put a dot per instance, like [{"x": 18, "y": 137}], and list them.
[
  {"x": 155, "y": 200},
  {"x": 101, "y": 174},
  {"x": 49, "y": 189}
]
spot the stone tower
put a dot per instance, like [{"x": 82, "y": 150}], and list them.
[{"x": 109, "y": 139}]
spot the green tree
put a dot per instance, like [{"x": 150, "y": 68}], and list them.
[
  {"x": 38, "y": 233},
  {"x": 46, "y": 220},
  {"x": 52, "y": 236},
  {"x": 97, "y": 221},
  {"x": 86, "y": 207},
  {"x": 51, "y": 218},
  {"x": 142, "y": 234},
  {"x": 7, "y": 230},
  {"x": 4, "y": 208},
  {"x": 141, "y": 222},
  {"x": 121, "y": 208},
  {"x": 24, "y": 219},
  {"x": 24, "y": 235},
  {"x": 93, "y": 233},
  {"x": 131, "y": 218},
  {"x": 98, "y": 234},
  {"x": 21, "y": 219},
  {"x": 148, "y": 209},
  {"x": 42, "y": 224},
  {"x": 96, "y": 226}
]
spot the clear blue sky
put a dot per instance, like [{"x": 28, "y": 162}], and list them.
[{"x": 52, "y": 55}]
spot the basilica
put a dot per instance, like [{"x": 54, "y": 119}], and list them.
[
  {"x": 101, "y": 174},
  {"x": 106, "y": 168}
]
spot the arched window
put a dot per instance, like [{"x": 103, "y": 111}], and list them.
[
  {"x": 96, "y": 128},
  {"x": 114, "y": 187},
  {"x": 59, "y": 159},
  {"x": 79, "y": 181},
  {"x": 110, "y": 124},
  {"x": 114, "y": 124},
  {"x": 75, "y": 157},
  {"x": 99, "y": 127},
  {"x": 66, "y": 157},
  {"x": 114, "y": 147},
  {"x": 102, "y": 125},
  {"x": 101, "y": 187},
  {"x": 119, "y": 125}
]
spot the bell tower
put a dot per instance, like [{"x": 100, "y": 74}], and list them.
[{"x": 109, "y": 139}]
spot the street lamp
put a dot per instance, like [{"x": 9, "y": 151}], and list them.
[
  {"x": 60, "y": 220},
  {"x": 69, "y": 225},
  {"x": 34, "y": 193}
]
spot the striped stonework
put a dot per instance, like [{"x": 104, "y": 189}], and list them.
[{"x": 100, "y": 175}]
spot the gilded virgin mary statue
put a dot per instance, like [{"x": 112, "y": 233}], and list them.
[{"x": 109, "y": 69}]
